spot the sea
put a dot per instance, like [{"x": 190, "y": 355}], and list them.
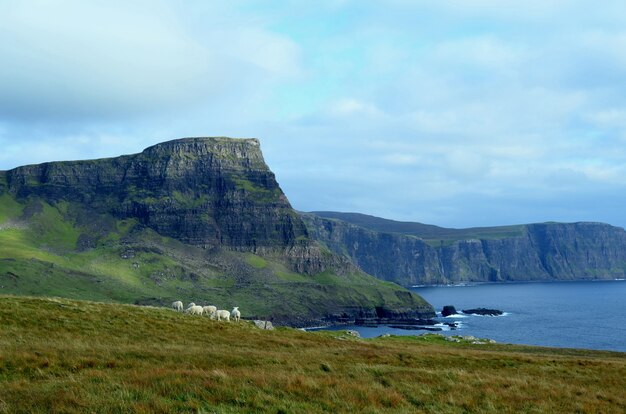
[{"x": 577, "y": 314}]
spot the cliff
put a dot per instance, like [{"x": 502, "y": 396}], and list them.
[
  {"x": 197, "y": 219},
  {"x": 201, "y": 191},
  {"x": 395, "y": 251}
]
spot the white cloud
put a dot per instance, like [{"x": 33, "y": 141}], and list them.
[
  {"x": 487, "y": 51},
  {"x": 460, "y": 112},
  {"x": 504, "y": 9},
  {"x": 84, "y": 59},
  {"x": 348, "y": 107},
  {"x": 608, "y": 118},
  {"x": 275, "y": 54},
  {"x": 465, "y": 165},
  {"x": 400, "y": 159}
]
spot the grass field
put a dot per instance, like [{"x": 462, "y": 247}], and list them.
[{"x": 60, "y": 355}]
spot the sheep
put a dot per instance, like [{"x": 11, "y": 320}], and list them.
[
  {"x": 236, "y": 314},
  {"x": 210, "y": 311},
  {"x": 223, "y": 314},
  {"x": 195, "y": 310},
  {"x": 190, "y": 305},
  {"x": 177, "y": 306}
]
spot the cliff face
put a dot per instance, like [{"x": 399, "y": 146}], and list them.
[
  {"x": 197, "y": 219},
  {"x": 550, "y": 251},
  {"x": 202, "y": 191}
]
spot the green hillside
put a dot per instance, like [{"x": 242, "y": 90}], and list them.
[
  {"x": 192, "y": 219},
  {"x": 41, "y": 254},
  {"x": 63, "y": 356}
]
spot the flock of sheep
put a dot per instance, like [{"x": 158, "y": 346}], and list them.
[{"x": 211, "y": 311}]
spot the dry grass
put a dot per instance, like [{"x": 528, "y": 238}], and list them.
[{"x": 58, "y": 355}]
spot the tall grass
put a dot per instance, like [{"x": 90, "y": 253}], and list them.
[{"x": 59, "y": 355}]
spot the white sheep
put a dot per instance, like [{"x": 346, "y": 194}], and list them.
[
  {"x": 236, "y": 314},
  {"x": 195, "y": 310},
  {"x": 210, "y": 311},
  {"x": 177, "y": 306},
  {"x": 223, "y": 314}
]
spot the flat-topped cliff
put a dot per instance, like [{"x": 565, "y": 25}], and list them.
[
  {"x": 193, "y": 219},
  {"x": 415, "y": 254},
  {"x": 201, "y": 191}
]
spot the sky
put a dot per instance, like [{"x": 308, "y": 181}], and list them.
[{"x": 459, "y": 113}]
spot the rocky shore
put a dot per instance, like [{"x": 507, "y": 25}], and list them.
[{"x": 483, "y": 312}]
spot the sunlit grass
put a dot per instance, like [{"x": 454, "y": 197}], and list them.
[
  {"x": 256, "y": 261},
  {"x": 58, "y": 355},
  {"x": 9, "y": 208}
]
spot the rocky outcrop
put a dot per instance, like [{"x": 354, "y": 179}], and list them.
[
  {"x": 546, "y": 251},
  {"x": 483, "y": 312},
  {"x": 202, "y": 191},
  {"x": 448, "y": 310},
  {"x": 267, "y": 325}
]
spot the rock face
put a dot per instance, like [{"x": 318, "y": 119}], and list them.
[
  {"x": 201, "y": 191},
  {"x": 448, "y": 310},
  {"x": 546, "y": 251},
  {"x": 483, "y": 312},
  {"x": 263, "y": 325},
  {"x": 196, "y": 218}
]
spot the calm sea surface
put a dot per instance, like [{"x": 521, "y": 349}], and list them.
[{"x": 560, "y": 314}]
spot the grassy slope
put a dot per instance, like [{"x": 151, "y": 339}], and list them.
[
  {"x": 59, "y": 355},
  {"x": 39, "y": 256},
  {"x": 431, "y": 234}
]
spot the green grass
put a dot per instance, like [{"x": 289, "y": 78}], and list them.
[
  {"x": 49, "y": 230},
  {"x": 127, "y": 263},
  {"x": 18, "y": 244},
  {"x": 9, "y": 208},
  {"x": 170, "y": 271},
  {"x": 189, "y": 200},
  {"x": 287, "y": 276},
  {"x": 59, "y": 355},
  {"x": 256, "y": 261},
  {"x": 257, "y": 192}
]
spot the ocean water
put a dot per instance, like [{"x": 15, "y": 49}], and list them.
[{"x": 589, "y": 315}]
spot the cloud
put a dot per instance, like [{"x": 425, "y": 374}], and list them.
[
  {"x": 460, "y": 113},
  {"x": 80, "y": 60},
  {"x": 400, "y": 159},
  {"x": 348, "y": 107}
]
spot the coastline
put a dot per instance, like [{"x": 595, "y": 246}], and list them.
[
  {"x": 512, "y": 282},
  {"x": 560, "y": 314}
]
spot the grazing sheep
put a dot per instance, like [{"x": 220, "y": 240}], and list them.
[
  {"x": 223, "y": 314},
  {"x": 195, "y": 310},
  {"x": 177, "y": 306},
  {"x": 236, "y": 314},
  {"x": 210, "y": 311}
]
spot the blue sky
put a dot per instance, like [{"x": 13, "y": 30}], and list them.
[{"x": 457, "y": 113}]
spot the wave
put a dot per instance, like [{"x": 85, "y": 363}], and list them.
[
  {"x": 448, "y": 285},
  {"x": 457, "y": 315},
  {"x": 488, "y": 316},
  {"x": 447, "y": 328}
]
